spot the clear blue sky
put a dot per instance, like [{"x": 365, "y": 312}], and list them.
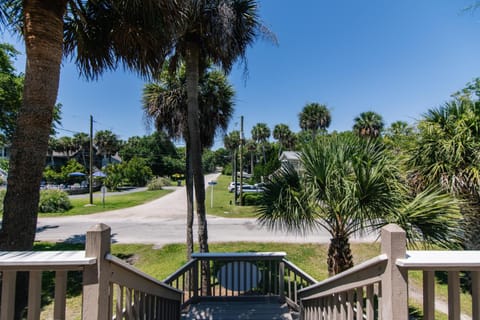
[{"x": 398, "y": 58}]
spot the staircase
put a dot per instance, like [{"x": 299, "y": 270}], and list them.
[{"x": 261, "y": 308}]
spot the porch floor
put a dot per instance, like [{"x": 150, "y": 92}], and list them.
[{"x": 233, "y": 309}]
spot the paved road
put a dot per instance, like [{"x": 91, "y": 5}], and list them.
[{"x": 162, "y": 221}]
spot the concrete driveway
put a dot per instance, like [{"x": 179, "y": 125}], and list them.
[{"x": 163, "y": 221}]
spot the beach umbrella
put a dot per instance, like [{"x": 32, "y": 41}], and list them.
[
  {"x": 76, "y": 174},
  {"x": 99, "y": 174}
]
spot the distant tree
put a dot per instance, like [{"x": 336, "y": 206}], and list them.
[
  {"x": 107, "y": 143},
  {"x": 65, "y": 145},
  {"x": 314, "y": 117},
  {"x": 260, "y": 134},
  {"x": 231, "y": 143},
  {"x": 251, "y": 147},
  {"x": 368, "y": 124},
  {"x": 81, "y": 143},
  {"x": 285, "y": 137},
  {"x": 136, "y": 172}
]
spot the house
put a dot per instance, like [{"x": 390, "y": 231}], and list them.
[{"x": 292, "y": 158}]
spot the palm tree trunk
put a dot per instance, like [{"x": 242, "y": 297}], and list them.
[
  {"x": 190, "y": 197},
  {"x": 43, "y": 33},
  {"x": 192, "y": 74},
  {"x": 339, "y": 255}
]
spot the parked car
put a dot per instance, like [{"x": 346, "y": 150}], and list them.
[
  {"x": 249, "y": 189},
  {"x": 231, "y": 186}
]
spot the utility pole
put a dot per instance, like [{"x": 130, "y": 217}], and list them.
[
  {"x": 235, "y": 194},
  {"x": 241, "y": 160},
  {"x": 90, "y": 184}
]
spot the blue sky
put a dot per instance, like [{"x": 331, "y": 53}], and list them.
[{"x": 398, "y": 58}]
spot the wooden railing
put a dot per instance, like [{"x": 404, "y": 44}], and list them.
[
  {"x": 378, "y": 288},
  {"x": 240, "y": 275},
  {"x": 112, "y": 289}
]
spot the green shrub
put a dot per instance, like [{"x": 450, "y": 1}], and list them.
[
  {"x": 227, "y": 170},
  {"x": 157, "y": 183},
  {"x": 2, "y": 196},
  {"x": 252, "y": 199},
  {"x": 54, "y": 201}
]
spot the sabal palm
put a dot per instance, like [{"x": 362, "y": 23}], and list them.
[
  {"x": 165, "y": 103},
  {"x": 348, "y": 185},
  {"x": 284, "y": 135},
  {"x": 99, "y": 35},
  {"x": 368, "y": 124},
  {"x": 260, "y": 134},
  {"x": 218, "y": 31},
  {"x": 314, "y": 117}
]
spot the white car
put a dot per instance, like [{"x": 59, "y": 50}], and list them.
[{"x": 232, "y": 186}]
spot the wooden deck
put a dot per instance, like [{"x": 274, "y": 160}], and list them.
[{"x": 233, "y": 309}]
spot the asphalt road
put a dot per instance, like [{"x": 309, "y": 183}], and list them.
[{"x": 163, "y": 221}]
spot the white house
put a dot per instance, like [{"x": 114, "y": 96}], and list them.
[{"x": 291, "y": 157}]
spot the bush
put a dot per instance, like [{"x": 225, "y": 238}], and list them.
[
  {"x": 252, "y": 199},
  {"x": 158, "y": 183},
  {"x": 137, "y": 172},
  {"x": 54, "y": 201},
  {"x": 227, "y": 170}
]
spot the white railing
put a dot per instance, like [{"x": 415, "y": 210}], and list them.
[
  {"x": 112, "y": 289},
  {"x": 378, "y": 288}
]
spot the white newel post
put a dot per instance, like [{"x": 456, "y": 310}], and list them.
[
  {"x": 96, "y": 278},
  {"x": 394, "y": 280}
]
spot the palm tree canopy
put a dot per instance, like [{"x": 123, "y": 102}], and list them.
[
  {"x": 314, "y": 117},
  {"x": 232, "y": 140},
  {"x": 260, "y": 132},
  {"x": 368, "y": 124}
]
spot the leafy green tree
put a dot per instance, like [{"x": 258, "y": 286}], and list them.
[
  {"x": 11, "y": 85},
  {"x": 137, "y": 172},
  {"x": 114, "y": 178},
  {"x": 314, "y": 117},
  {"x": 71, "y": 166},
  {"x": 368, "y": 124},
  {"x": 401, "y": 137},
  {"x": 351, "y": 185}
]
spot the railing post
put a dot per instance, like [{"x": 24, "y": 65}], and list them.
[
  {"x": 394, "y": 280},
  {"x": 281, "y": 280},
  {"x": 96, "y": 278}
]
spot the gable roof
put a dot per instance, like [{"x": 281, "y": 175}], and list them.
[{"x": 289, "y": 155}]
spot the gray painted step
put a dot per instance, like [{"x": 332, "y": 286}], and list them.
[{"x": 259, "y": 309}]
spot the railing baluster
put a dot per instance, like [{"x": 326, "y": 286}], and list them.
[
  {"x": 428, "y": 295},
  {"x": 34, "y": 294},
  {"x": 475, "y": 294},
  {"x": 359, "y": 311},
  {"x": 349, "y": 302},
  {"x": 370, "y": 303},
  {"x": 453, "y": 295},
  {"x": 119, "y": 303},
  {"x": 8, "y": 294},
  {"x": 60, "y": 294}
]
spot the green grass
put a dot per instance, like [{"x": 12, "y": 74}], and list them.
[
  {"x": 80, "y": 205},
  {"x": 223, "y": 201}
]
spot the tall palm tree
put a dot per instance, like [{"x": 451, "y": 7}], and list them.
[
  {"x": 368, "y": 124},
  {"x": 100, "y": 36},
  {"x": 260, "y": 134},
  {"x": 315, "y": 117},
  {"x": 107, "y": 144},
  {"x": 218, "y": 31},
  {"x": 285, "y": 137},
  {"x": 251, "y": 147},
  {"x": 231, "y": 143},
  {"x": 351, "y": 185},
  {"x": 165, "y": 103}
]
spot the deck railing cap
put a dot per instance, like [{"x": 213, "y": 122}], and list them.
[{"x": 235, "y": 255}]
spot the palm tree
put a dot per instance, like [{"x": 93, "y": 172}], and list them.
[
  {"x": 350, "y": 185},
  {"x": 107, "y": 144},
  {"x": 315, "y": 117},
  {"x": 261, "y": 134},
  {"x": 100, "y": 36},
  {"x": 165, "y": 103},
  {"x": 446, "y": 155},
  {"x": 231, "y": 143},
  {"x": 217, "y": 31},
  {"x": 251, "y": 147},
  {"x": 81, "y": 143},
  {"x": 368, "y": 124},
  {"x": 285, "y": 137}
]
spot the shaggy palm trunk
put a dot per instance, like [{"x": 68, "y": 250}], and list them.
[
  {"x": 43, "y": 32},
  {"x": 339, "y": 255},
  {"x": 192, "y": 74}
]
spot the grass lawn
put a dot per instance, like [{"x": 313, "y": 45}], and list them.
[
  {"x": 223, "y": 201},
  {"x": 80, "y": 205}
]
